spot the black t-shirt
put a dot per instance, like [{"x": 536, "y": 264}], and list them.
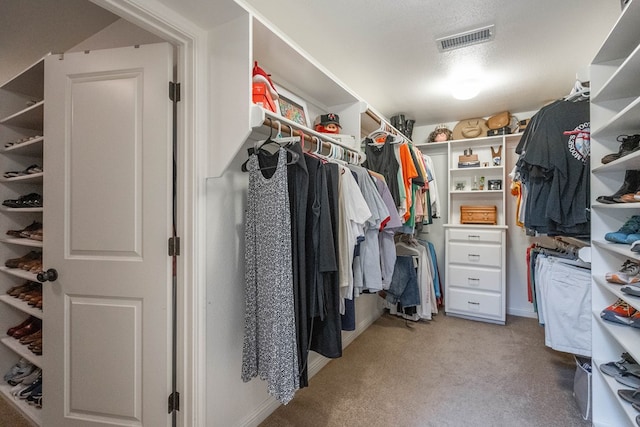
[{"x": 564, "y": 160}]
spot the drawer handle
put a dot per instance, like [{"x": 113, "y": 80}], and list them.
[
  {"x": 474, "y": 303},
  {"x": 473, "y": 281},
  {"x": 475, "y": 257},
  {"x": 473, "y": 236}
]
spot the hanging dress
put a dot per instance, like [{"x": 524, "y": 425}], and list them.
[{"x": 269, "y": 347}]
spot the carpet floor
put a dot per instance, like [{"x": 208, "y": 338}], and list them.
[{"x": 447, "y": 372}]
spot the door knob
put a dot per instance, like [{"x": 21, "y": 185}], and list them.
[{"x": 50, "y": 275}]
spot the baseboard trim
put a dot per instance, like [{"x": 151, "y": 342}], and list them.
[{"x": 522, "y": 313}]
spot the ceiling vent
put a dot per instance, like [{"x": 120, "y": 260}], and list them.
[{"x": 468, "y": 38}]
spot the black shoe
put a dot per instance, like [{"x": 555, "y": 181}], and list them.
[
  {"x": 629, "y": 144},
  {"x": 630, "y": 185}
]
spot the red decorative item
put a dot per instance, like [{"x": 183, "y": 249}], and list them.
[
  {"x": 262, "y": 97},
  {"x": 260, "y": 76}
]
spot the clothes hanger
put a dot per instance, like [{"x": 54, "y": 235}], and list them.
[
  {"x": 580, "y": 92},
  {"x": 267, "y": 146}
]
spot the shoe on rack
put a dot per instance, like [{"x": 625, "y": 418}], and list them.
[
  {"x": 631, "y": 184},
  {"x": 632, "y": 289},
  {"x": 620, "y": 312},
  {"x": 626, "y": 364},
  {"x": 15, "y": 369},
  {"x": 15, "y": 262},
  {"x": 628, "y": 231},
  {"x": 24, "y": 373},
  {"x": 35, "y": 225},
  {"x": 629, "y": 380},
  {"x": 31, "y": 200},
  {"x": 628, "y": 144},
  {"x": 32, "y": 377},
  {"x": 13, "y": 329},
  {"x": 628, "y": 273},
  {"x": 29, "y": 329},
  {"x": 260, "y": 76}
]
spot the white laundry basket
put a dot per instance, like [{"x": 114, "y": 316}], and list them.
[{"x": 582, "y": 386}]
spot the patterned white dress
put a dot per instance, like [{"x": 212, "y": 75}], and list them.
[{"x": 269, "y": 348}]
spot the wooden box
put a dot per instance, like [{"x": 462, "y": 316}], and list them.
[{"x": 479, "y": 215}]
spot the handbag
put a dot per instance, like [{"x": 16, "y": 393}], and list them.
[{"x": 499, "y": 120}]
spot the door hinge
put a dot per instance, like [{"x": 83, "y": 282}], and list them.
[
  {"x": 174, "y": 402},
  {"x": 174, "y": 246},
  {"x": 174, "y": 91}
]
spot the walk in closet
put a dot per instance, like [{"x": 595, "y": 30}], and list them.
[
  {"x": 140, "y": 155},
  {"x": 615, "y": 108}
]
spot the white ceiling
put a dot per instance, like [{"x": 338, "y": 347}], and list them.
[
  {"x": 384, "y": 50},
  {"x": 29, "y": 29}
]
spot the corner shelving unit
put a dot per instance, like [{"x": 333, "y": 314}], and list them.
[
  {"x": 475, "y": 254},
  {"x": 21, "y": 119},
  {"x": 615, "y": 110}
]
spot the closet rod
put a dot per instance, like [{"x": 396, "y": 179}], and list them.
[
  {"x": 308, "y": 135},
  {"x": 380, "y": 121}
]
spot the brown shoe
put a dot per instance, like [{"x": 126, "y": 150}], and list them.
[{"x": 15, "y": 262}]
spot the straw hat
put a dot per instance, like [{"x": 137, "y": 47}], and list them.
[{"x": 470, "y": 128}]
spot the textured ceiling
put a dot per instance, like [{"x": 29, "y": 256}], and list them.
[{"x": 386, "y": 51}]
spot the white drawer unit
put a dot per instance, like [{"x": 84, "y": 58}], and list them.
[
  {"x": 479, "y": 278},
  {"x": 475, "y": 254},
  {"x": 475, "y": 279},
  {"x": 475, "y": 235},
  {"x": 476, "y": 303}
]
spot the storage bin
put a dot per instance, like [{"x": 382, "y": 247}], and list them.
[{"x": 582, "y": 386}]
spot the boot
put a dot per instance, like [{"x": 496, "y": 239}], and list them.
[
  {"x": 630, "y": 185},
  {"x": 408, "y": 127},
  {"x": 629, "y": 144}
]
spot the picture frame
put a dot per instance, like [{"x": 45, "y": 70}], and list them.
[{"x": 292, "y": 107}]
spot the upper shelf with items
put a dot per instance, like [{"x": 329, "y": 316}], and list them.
[
  {"x": 236, "y": 46},
  {"x": 243, "y": 41}
]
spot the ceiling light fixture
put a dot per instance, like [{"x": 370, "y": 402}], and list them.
[{"x": 465, "y": 88}]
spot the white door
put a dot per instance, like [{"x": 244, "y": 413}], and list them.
[{"x": 107, "y": 218}]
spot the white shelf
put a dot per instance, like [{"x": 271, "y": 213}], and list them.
[
  {"x": 614, "y": 386},
  {"x": 29, "y": 82},
  {"x": 21, "y": 305},
  {"x": 34, "y": 178},
  {"x": 615, "y": 110},
  {"x": 32, "y": 147},
  {"x": 29, "y": 118},
  {"x": 34, "y": 414},
  {"x": 20, "y": 273},
  {"x": 22, "y": 242},
  {"x": 22, "y": 350},
  {"x": 476, "y": 192},
  {"x": 600, "y": 206},
  {"x": 622, "y": 84},
  {"x": 624, "y": 36},
  {"x": 617, "y": 248},
  {"x": 615, "y": 289},
  {"x": 8, "y": 209}
]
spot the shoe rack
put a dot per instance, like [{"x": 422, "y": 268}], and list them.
[
  {"x": 615, "y": 111},
  {"x": 21, "y": 152}
]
